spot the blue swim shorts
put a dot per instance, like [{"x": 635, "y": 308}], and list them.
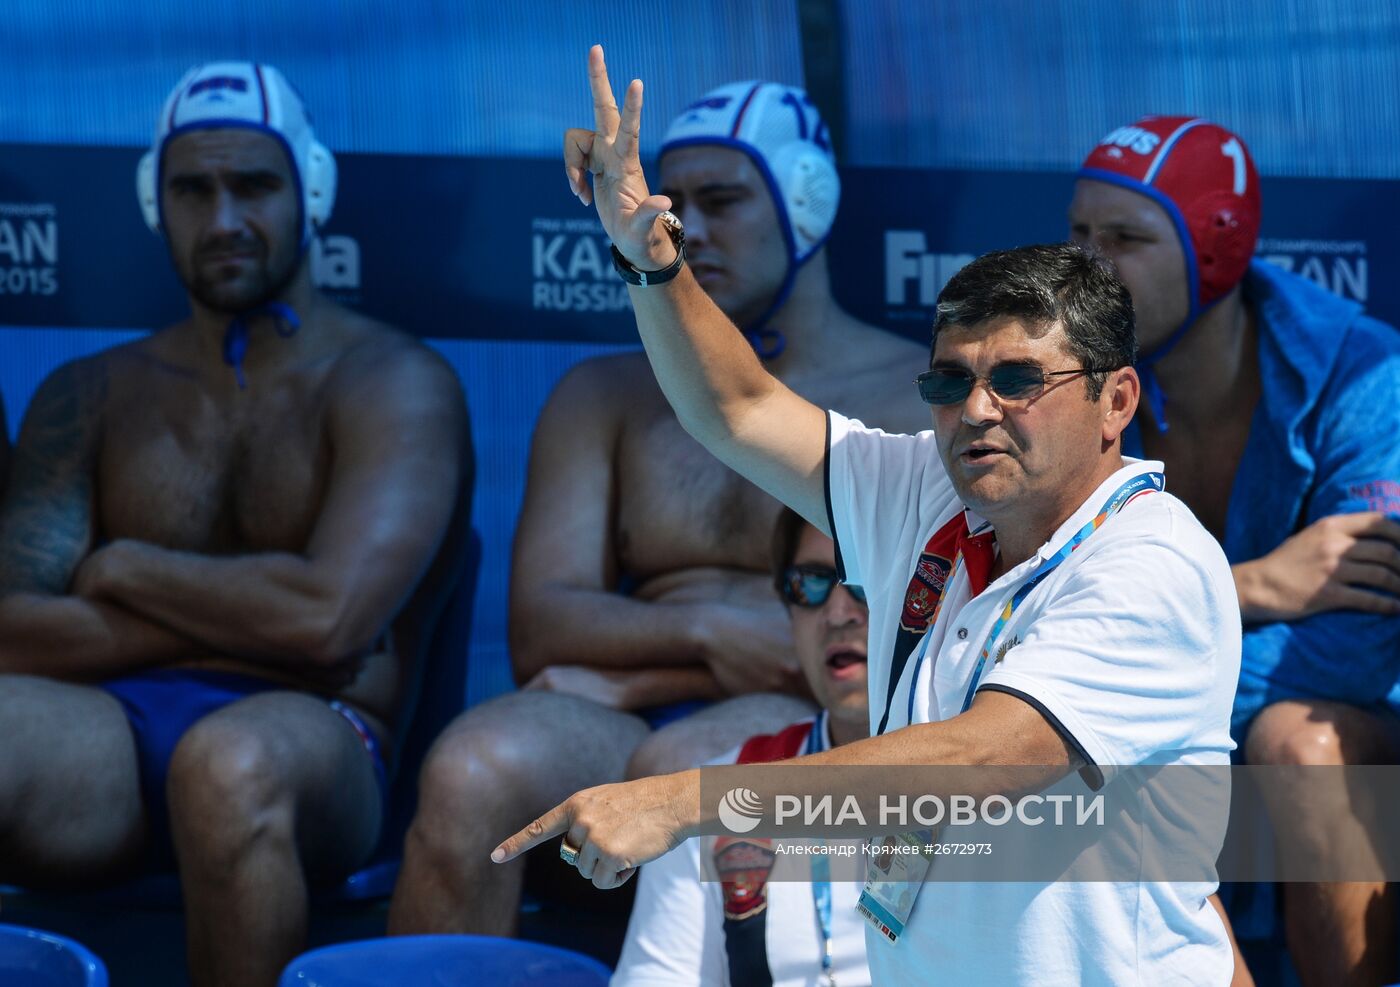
[{"x": 162, "y": 704}]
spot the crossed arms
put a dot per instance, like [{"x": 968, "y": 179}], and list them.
[
  {"x": 398, "y": 433},
  {"x": 46, "y": 527},
  {"x": 572, "y": 630}
]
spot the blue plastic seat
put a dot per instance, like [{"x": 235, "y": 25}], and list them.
[
  {"x": 30, "y": 958},
  {"x": 444, "y": 961}
]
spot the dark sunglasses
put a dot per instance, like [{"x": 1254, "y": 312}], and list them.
[
  {"x": 1011, "y": 382},
  {"x": 811, "y": 585}
]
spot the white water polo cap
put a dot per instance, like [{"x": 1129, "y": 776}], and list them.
[
  {"x": 251, "y": 96},
  {"x": 783, "y": 132}
]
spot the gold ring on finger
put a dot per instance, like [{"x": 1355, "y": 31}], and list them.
[{"x": 568, "y": 852}]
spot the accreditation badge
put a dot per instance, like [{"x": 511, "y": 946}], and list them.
[{"x": 893, "y": 877}]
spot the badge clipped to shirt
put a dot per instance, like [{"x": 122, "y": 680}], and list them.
[{"x": 898, "y": 865}]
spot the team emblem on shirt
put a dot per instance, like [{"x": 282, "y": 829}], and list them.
[
  {"x": 743, "y": 866},
  {"x": 930, "y": 577}
]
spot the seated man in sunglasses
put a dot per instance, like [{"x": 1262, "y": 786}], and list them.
[
  {"x": 1283, "y": 402},
  {"x": 685, "y": 933},
  {"x": 1036, "y": 598},
  {"x": 639, "y": 577}
]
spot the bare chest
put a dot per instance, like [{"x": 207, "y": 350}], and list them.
[
  {"x": 680, "y": 507},
  {"x": 1201, "y": 470},
  {"x": 178, "y": 470},
  {"x": 677, "y": 506}
]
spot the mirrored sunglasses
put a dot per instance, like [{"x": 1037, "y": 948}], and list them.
[
  {"x": 811, "y": 585},
  {"x": 1011, "y": 382}
]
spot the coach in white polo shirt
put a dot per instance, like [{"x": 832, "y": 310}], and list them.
[
  {"x": 1121, "y": 635},
  {"x": 1035, "y": 597}
]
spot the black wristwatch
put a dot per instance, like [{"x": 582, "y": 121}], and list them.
[{"x": 631, "y": 275}]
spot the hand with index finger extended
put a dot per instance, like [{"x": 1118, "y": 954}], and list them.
[
  {"x": 555, "y": 822},
  {"x": 616, "y": 828},
  {"x": 609, "y": 153}
]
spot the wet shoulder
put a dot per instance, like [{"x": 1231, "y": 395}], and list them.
[
  {"x": 140, "y": 357},
  {"x": 616, "y": 386},
  {"x": 111, "y": 381},
  {"x": 370, "y": 351},
  {"x": 613, "y": 374},
  {"x": 876, "y": 384},
  {"x": 75, "y": 392}
]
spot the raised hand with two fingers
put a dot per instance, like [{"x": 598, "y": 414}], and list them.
[{"x": 609, "y": 153}]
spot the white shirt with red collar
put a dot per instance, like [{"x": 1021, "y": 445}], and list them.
[{"x": 1130, "y": 648}]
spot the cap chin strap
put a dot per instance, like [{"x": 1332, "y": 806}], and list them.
[
  {"x": 285, "y": 321},
  {"x": 1151, "y": 387},
  {"x": 769, "y": 344}
]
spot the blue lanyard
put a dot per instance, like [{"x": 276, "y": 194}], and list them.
[
  {"x": 821, "y": 867},
  {"x": 1138, "y": 484}
]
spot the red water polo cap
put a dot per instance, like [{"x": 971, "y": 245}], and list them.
[{"x": 1203, "y": 176}]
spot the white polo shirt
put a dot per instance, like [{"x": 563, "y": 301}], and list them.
[
  {"x": 1131, "y": 650},
  {"x": 675, "y": 937}
]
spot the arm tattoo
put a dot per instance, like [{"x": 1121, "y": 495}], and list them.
[{"x": 46, "y": 519}]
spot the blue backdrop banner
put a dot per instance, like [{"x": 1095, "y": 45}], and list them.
[{"x": 480, "y": 248}]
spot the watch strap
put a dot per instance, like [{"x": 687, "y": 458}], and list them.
[{"x": 632, "y": 275}]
